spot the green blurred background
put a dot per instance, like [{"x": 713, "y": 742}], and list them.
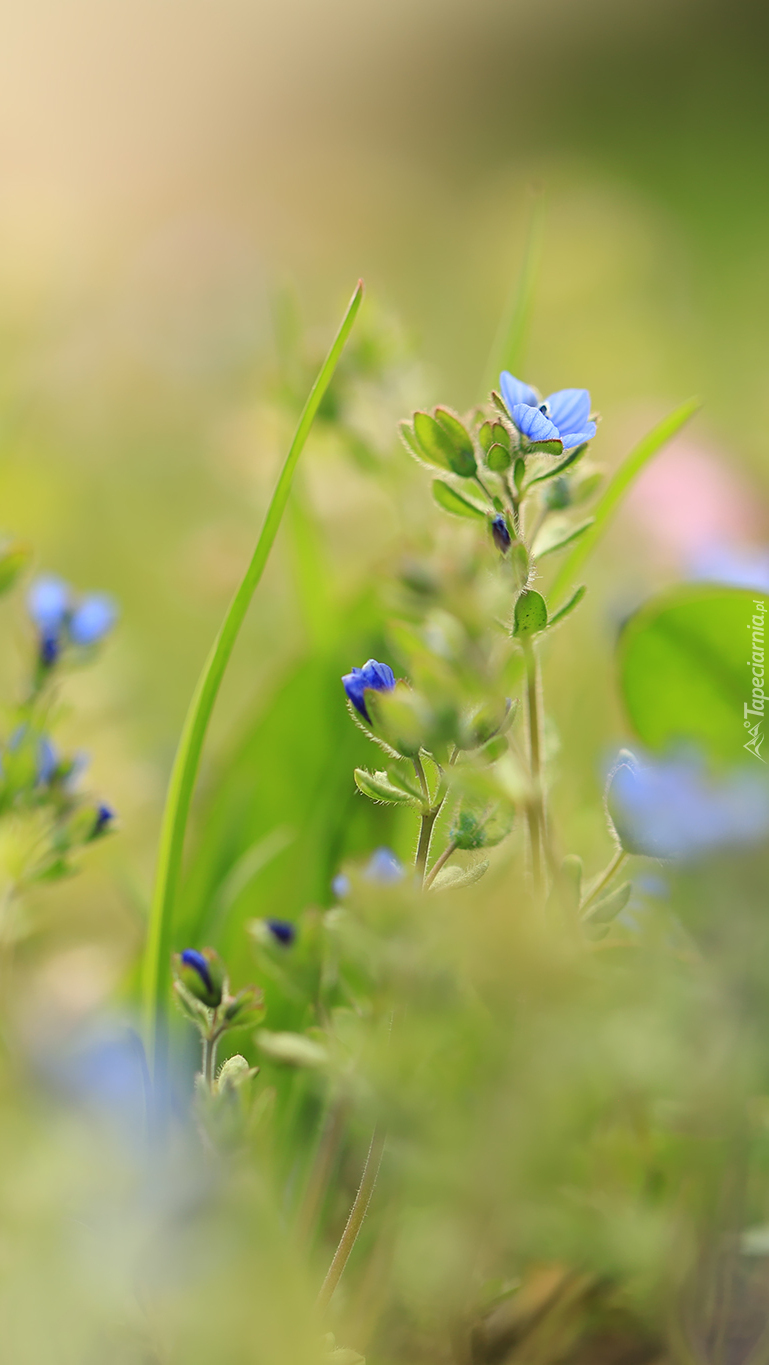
[{"x": 174, "y": 175}]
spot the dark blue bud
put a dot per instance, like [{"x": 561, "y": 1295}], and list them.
[
  {"x": 49, "y": 649},
  {"x": 283, "y": 930},
  {"x": 500, "y": 534},
  {"x": 104, "y": 817},
  {"x": 378, "y": 677},
  {"x": 192, "y": 958}
]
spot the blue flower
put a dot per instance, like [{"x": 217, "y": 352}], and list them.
[
  {"x": 341, "y": 886},
  {"x": 500, "y": 534},
  {"x": 564, "y": 416},
  {"x": 47, "y": 760},
  {"x": 283, "y": 930},
  {"x": 671, "y": 809},
  {"x": 377, "y": 677},
  {"x": 383, "y": 866},
  {"x": 92, "y": 619}
]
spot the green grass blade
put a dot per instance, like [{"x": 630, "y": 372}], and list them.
[
  {"x": 508, "y": 349},
  {"x": 616, "y": 490},
  {"x": 156, "y": 967}
]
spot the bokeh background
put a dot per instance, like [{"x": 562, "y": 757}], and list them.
[{"x": 187, "y": 187}]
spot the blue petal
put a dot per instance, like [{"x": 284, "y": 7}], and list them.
[
  {"x": 569, "y": 409},
  {"x": 534, "y": 424},
  {"x": 578, "y": 438},
  {"x": 192, "y": 958},
  {"x": 92, "y": 620},
  {"x": 514, "y": 391},
  {"x": 48, "y": 603},
  {"x": 378, "y": 677}
]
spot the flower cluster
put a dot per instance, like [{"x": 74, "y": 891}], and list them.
[{"x": 62, "y": 618}]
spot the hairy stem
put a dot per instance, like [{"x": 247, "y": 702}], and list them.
[
  {"x": 535, "y": 810},
  {"x": 425, "y": 835},
  {"x": 439, "y": 863},
  {"x": 156, "y": 967},
  {"x": 354, "y": 1221},
  {"x": 614, "y": 866}
]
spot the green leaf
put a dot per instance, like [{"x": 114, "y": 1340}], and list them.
[
  {"x": 684, "y": 669},
  {"x": 462, "y": 458},
  {"x": 570, "y": 459},
  {"x": 408, "y": 437},
  {"x": 544, "y": 447},
  {"x": 567, "y": 607},
  {"x": 451, "y": 501},
  {"x": 530, "y": 615},
  {"x": 159, "y": 940},
  {"x": 378, "y": 788},
  {"x": 555, "y": 536},
  {"x": 452, "y": 878},
  {"x": 434, "y": 445},
  {"x": 616, "y": 489},
  {"x": 14, "y": 559}
]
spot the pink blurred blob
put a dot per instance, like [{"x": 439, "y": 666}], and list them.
[{"x": 690, "y": 499}]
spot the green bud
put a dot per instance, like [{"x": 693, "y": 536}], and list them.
[
  {"x": 402, "y": 718},
  {"x": 247, "y": 1007},
  {"x": 233, "y": 1074},
  {"x": 529, "y": 615},
  {"x": 293, "y": 1049},
  {"x": 608, "y": 907},
  {"x": 498, "y": 458},
  {"x": 462, "y": 456},
  {"x": 486, "y": 436}
]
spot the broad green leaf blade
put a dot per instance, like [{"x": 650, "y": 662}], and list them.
[
  {"x": 555, "y": 536},
  {"x": 377, "y": 787},
  {"x": 451, "y": 501},
  {"x": 617, "y": 488},
  {"x": 156, "y": 964},
  {"x": 530, "y": 614},
  {"x": 462, "y": 458},
  {"x": 432, "y": 441},
  {"x": 684, "y": 671}
]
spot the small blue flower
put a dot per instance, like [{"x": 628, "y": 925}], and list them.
[
  {"x": 383, "y": 866},
  {"x": 671, "y": 809},
  {"x": 282, "y": 930},
  {"x": 500, "y": 534},
  {"x": 48, "y": 603},
  {"x": 92, "y": 619},
  {"x": 378, "y": 677},
  {"x": 564, "y": 416}
]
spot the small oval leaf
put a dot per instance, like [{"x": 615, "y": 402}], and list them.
[
  {"x": 530, "y": 615},
  {"x": 451, "y": 501}
]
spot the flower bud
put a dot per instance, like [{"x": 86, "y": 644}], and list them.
[
  {"x": 372, "y": 677},
  {"x": 501, "y": 534},
  {"x": 202, "y": 974},
  {"x": 247, "y": 1007}
]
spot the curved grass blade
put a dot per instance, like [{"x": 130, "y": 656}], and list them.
[
  {"x": 509, "y": 344},
  {"x": 616, "y": 489},
  {"x": 156, "y": 967}
]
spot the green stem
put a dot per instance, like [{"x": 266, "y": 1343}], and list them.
[
  {"x": 620, "y": 857},
  {"x": 425, "y": 835},
  {"x": 535, "y": 811},
  {"x": 354, "y": 1221},
  {"x": 156, "y": 967},
  {"x": 439, "y": 863}
]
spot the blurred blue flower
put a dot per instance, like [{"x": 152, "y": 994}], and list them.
[
  {"x": 92, "y": 619},
  {"x": 282, "y": 930},
  {"x": 384, "y": 866},
  {"x": 378, "y": 677},
  {"x": 47, "y": 760},
  {"x": 341, "y": 885},
  {"x": 738, "y": 567},
  {"x": 672, "y": 809},
  {"x": 564, "y": 416},
  {"x": 48, "y": 602}
]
